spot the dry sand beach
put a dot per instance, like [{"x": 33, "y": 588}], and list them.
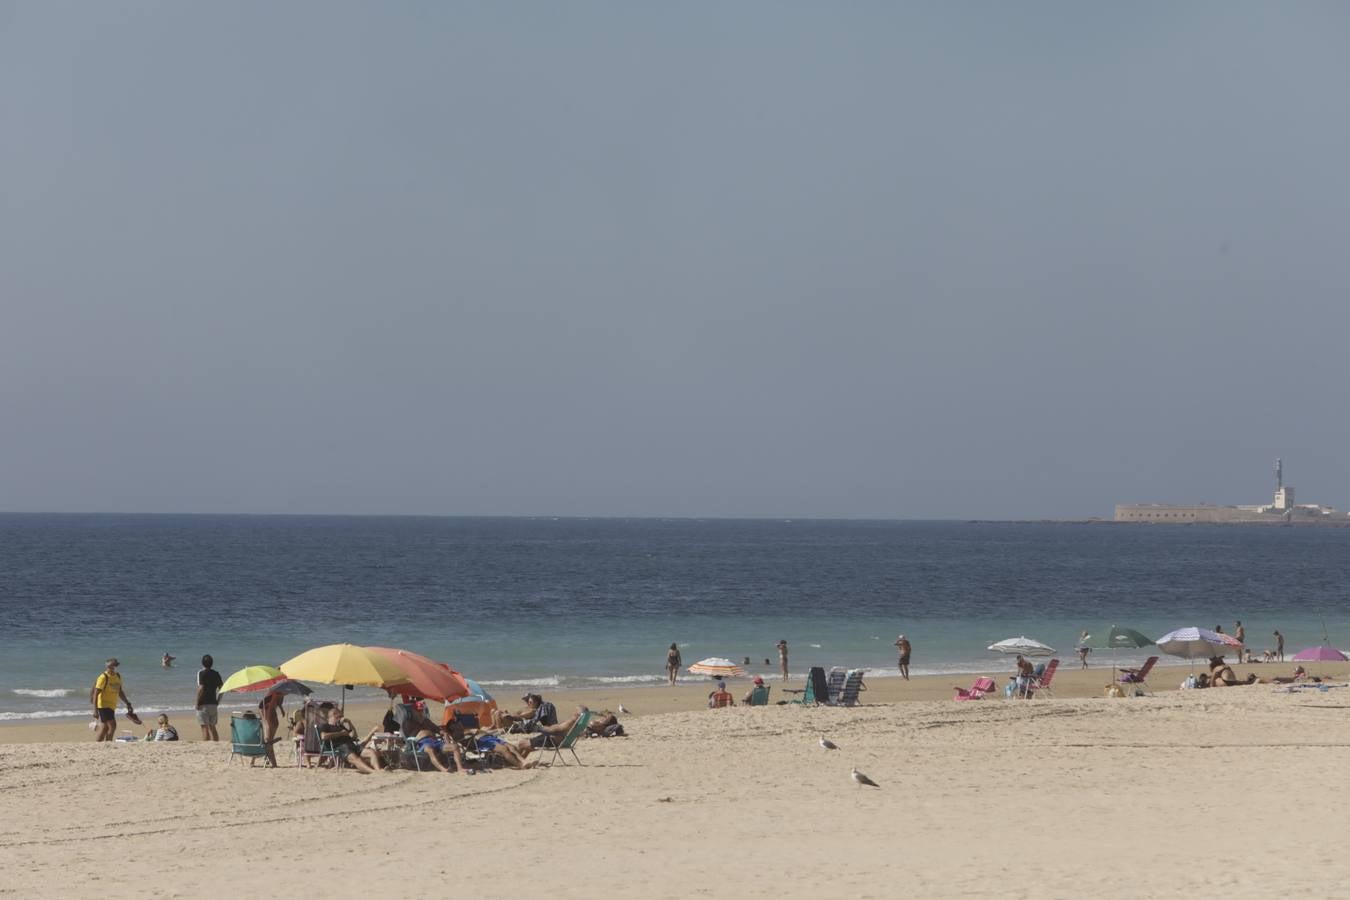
[{"x": 1234, "y": 792}]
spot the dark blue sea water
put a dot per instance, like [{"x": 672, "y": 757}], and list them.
[{"x": 593, "y": 602}]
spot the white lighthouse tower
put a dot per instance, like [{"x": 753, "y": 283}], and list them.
[{"x": 1284, "y": 496}]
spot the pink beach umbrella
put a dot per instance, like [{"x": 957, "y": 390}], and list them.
[{"x": 1320, "y": 654}]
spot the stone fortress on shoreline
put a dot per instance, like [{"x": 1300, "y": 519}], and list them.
[{"x": 1282, "y": 511}]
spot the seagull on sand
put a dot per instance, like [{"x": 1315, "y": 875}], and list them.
[
  {"x": 623, "y": 709},
  {"x": 827, "y": 744},
  {"x": 862, "y": 779}
]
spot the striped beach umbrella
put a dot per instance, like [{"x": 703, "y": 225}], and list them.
[
  {"x": 717, "y": 667},
  {"x": 1023, "y": 646},
  {"x": 1196, "y": 643}
]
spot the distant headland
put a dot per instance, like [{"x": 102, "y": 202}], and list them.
[{"x": 1282, "y": 511}]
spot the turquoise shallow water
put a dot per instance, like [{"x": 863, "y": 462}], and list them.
[{"x": 547, "y": 602}]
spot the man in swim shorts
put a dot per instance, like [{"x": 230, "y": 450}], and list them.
[
  {"x": 104, "y": 696},
  {"x": 902, "y": 645}
]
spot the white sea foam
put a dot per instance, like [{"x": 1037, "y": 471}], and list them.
[
  {"x": 626, "y": 679},
  {"x": 545, "y": 681},
  {"x": 43, "y": 692},
  {"x": 39, "y": 714}
]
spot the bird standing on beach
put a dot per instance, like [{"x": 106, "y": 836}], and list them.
[
  {"x": 862, "y": 779},
  {"x": 827, "y": 744},
  {"x": 622, "y": 709}
]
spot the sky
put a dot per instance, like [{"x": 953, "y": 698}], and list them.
[{"x": 866, "y": 260}]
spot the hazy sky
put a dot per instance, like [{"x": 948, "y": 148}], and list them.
[{"x": 747, "y": 259}]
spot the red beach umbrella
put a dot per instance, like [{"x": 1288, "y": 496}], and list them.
[{"x": 427, "y": 678}]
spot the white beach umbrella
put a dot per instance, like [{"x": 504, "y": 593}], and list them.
[
  {"x": 1196, "y": 643},
  {"x": 1024, "y": 646},
  {"x": 716, "y": 666}
]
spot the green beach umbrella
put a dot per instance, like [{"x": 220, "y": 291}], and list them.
[
  {"x": 252, "y": 678},
  {"x": 1119, "y": 638}
]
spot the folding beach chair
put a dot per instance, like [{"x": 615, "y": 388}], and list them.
[
  {"x": 1041, "y": 681},
  {"x": 246, "y": 738},
  {"x": 307, "y": 749},
  {"x": 815, "y": 692},
  {"x": 835, "y": 683},
  {"x": 1138, "y": 677},
  {"x": 759, "y": 696},
  {"x": 977, "y": 690},
  {"x": 568, "y": 742},
  {"x": 853, "y": 683},
  {"x": 413, "y": 756}
]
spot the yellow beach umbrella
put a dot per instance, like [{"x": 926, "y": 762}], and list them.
[{"x": 344, "y": 664}]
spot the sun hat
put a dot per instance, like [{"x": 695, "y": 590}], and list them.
[{"x": 759, "y": 679}]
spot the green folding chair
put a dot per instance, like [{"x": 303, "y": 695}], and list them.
[
  {"x": 246, "y": 738},
  {"x": 760, "y": 696},
  {"x": 568, "y": 741}
]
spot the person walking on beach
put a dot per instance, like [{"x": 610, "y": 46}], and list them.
[
  {"x": 902, "y": 646},
  {"x": 209, "y": 684},
  {"x": 782, "y": 658},
  {"x": 1279, "y": 646},
  {"x": 1083, "y": 648},
  {"x": 1241, "y": 634},
  {"x": 104, "y": 696},
  {"x": 673, "y": 663}
]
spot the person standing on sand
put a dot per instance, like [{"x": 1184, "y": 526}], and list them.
[
  {"x": 902, "y": 645},
  {"x": 782, "y": 658},
  {"x": 1241, "y": 634},
  {"x": 1279, "y": 647},
  {"x": 673, "y": 662},
  {"x": 104, "y": 696},
  {"x": 1083, "y": 648},
  {"x": 209, "y": 684}
]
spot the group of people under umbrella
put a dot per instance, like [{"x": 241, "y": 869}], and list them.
[
  {"x": 1190, "y": 643},
  {"x": 400, "y": 673}
]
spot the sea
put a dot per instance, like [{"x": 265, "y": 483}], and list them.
[{"x": 541, "y": 603}]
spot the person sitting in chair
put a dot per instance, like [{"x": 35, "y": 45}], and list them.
[
  {"x": 538, "y": 712},
  {"x": 335, "y": 733},
  {"x": 489, "y": 745},
  {"x": 432, "y": 741},
  {"x": 550, "y": 735},
  {"x": 750, "y": 695}
]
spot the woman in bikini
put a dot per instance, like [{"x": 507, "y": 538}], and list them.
[{"x": 673, "y": 662}]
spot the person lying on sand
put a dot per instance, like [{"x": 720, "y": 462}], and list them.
[
  {"x": 338, "y": 735},
  {"x": 1300, "y": 675}
]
